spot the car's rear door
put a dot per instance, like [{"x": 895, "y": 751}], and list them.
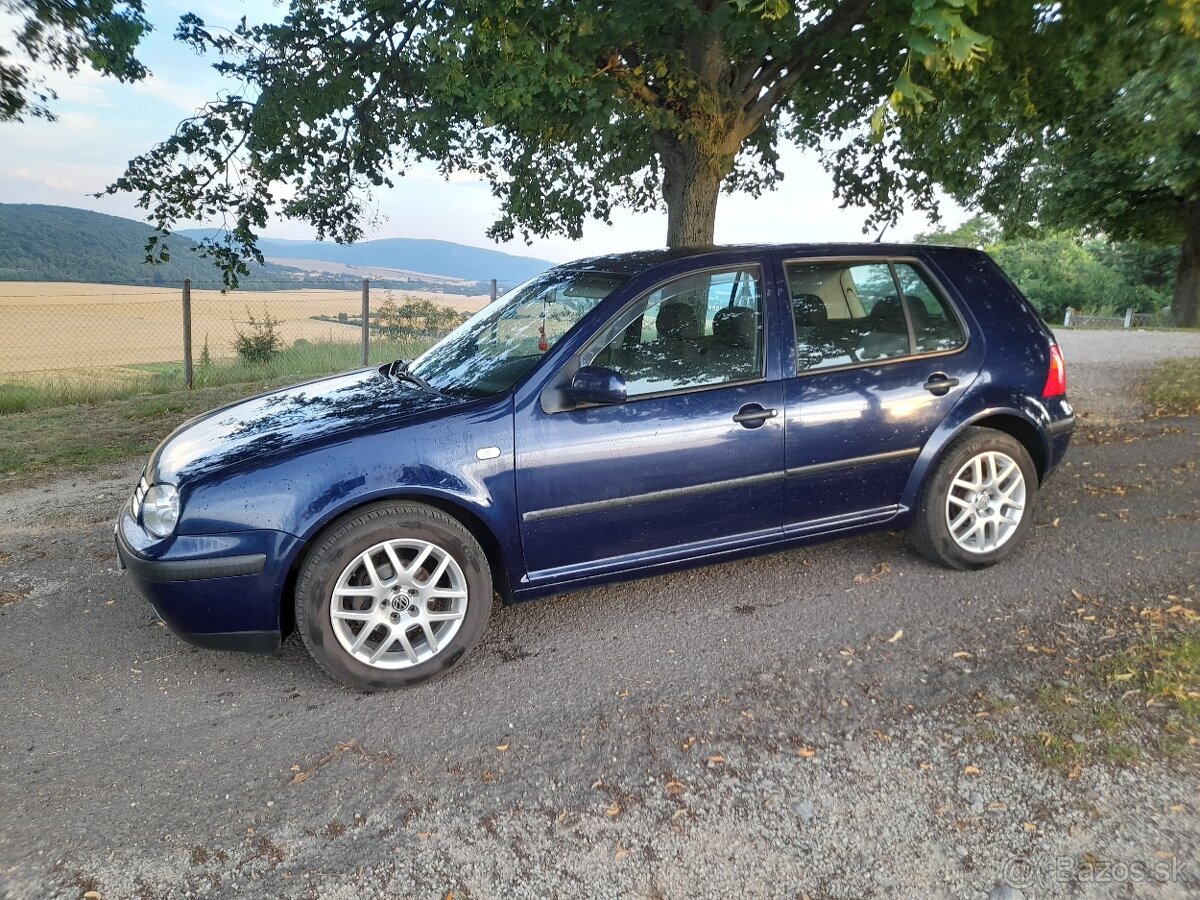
[
  {"x": 881, "y": 356},
  {"x": 692, "y": 460}
]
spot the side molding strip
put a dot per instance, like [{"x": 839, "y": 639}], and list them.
[
  {"x": 817, "y": 468},
  {"x": 553, "y": 512}
]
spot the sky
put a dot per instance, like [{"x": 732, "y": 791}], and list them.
[{"x": 103, "y": 123}]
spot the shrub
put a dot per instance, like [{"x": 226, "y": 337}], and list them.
[
  {"x": 262, "y": 342},
  {"x": 415, "y": 317}
]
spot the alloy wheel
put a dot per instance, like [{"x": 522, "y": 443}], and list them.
[
  {"x": 399, "y": 603},
  {"x": 986, "y": 502}
]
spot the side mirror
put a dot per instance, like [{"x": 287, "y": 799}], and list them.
[{"x": 597, "y": 384}]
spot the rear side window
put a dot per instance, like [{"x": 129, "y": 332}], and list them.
[
  {"x": 848, "y": 313},
  {"x": 935, "y": 327}
]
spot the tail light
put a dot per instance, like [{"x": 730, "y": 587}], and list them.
[{"x": 1056, "y": 379}]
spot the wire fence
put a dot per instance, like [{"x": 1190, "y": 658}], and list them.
[{"x": 115, "y": 332}]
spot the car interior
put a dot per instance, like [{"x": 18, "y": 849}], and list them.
[
  {"x": 850, "y": 314},
  {"x": 702, "y": 330}
]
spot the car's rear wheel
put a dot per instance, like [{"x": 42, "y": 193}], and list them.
[
  {"x": 977, "y": 504},
  {"x": 392, "y": 596}
]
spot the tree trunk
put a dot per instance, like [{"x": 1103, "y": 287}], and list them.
[
  {"x": 1186, "y": 299},
  {"x": 692, "y": 177}
]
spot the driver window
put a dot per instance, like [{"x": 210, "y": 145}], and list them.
[{"x": 697, "y": 331}]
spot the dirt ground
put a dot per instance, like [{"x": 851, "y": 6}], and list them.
[{"x": 837, "y": 721}]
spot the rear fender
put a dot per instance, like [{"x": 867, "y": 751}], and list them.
[{"x": 968, "y": 412}]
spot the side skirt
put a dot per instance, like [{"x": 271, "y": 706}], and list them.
[{"x": 549, "y": 582}]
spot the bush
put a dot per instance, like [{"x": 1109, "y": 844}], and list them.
[
  {"x": 262, "y": 342},
  {"x": 415, "y": 318}
]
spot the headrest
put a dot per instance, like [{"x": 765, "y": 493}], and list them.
[
  {"x": 734, "y": 326},
  {"x": 809, "y": 309},
  {"x": 676, "y": 320},
  {"x": 888, "y": 310}
]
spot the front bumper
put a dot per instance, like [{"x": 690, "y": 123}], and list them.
[{"x": 221, "y": 591}]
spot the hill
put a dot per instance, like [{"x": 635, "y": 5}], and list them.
[
  {"x": 60, "y": 243},
  {"x": 416, "y": 255}
]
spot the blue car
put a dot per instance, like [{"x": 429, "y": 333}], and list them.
[{"x": 612, "y": 418}]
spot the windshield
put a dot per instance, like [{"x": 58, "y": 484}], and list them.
[{"x": 497, "y": 346}]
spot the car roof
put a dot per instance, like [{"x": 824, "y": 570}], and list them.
[{"x": 638, "y": 261}]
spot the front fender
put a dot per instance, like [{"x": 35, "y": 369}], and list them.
[{"x": 301, "y": 493}]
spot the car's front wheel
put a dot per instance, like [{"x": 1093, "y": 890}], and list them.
[
  {"x": 977, "y": 504},
  {"x": 392, "y": 596}
]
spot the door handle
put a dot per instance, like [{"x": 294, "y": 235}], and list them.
[
  {"x": 752, "y": 415},
  {"x": 939, "y": 384}
]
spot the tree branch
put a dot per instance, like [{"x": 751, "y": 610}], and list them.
[{"x": 777, "y": 77}]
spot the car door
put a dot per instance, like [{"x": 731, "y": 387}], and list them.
[
  {"x": 690, "y": 462},
  {"x": 880, "y": 357}
]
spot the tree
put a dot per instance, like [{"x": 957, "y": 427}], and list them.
[
  {"x": 1060, "y": 268},
  {"x": 416, "y": 317},
  {"x": 1088, "y": 118},
  {"x": 569, "y": 109},
  {"x": 65, "y": 36},
  {"x": 978, "y": 232}
]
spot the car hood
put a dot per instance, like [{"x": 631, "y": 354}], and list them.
[{"x": 328, "y": 409}]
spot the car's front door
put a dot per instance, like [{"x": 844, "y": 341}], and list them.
[
  {"x": 692, "y": 460},
  {"x": 880, "y": 358}
]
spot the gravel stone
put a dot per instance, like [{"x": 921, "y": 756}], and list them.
[{"x": 612, "y": 703}]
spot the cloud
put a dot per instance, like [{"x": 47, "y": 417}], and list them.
[
  {"x": 50, "y": 181},
  {"x": 78, "y": 124},
  {"x": 180, "y": 96}
]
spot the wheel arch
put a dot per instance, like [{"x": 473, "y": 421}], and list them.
[
  {"x": 456, "y": 508},
  {"x": 1011, "y": 421},
  {"x": 1020, "y": 429}
]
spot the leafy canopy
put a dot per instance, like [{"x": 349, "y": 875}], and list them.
[
  {"x": 66, "y": 36},
  {"x": 568, "y": 109},
  {"x": 1087, "y": 116}
]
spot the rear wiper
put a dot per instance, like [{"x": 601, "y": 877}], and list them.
[{"x": 399, "y": 370}]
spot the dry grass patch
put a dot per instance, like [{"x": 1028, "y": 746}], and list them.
[{"x": 1173, "y": 387}]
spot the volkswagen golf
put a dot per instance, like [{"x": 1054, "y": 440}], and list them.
[{"x": 612, "y": 418}]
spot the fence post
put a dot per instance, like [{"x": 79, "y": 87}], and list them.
[
  {"x": 1067, "y": 317},
  {"x": 366, "y": 320},
  {"x": 1129, "y": 317},
  {"x": 494, "y": 294},
  {"x": 188, "y": 375}
]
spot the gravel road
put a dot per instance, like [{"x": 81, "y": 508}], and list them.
[
  {"x": 825, "y": 722},
  {"x": 1103, "y": 367}
]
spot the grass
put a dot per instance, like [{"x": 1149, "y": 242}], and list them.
[
  {"x": 1151, "y": 686},
  {"x": 1165, "y": 671},
  {"x": 1079, "y": 728},
  {"x": 299, "y": 361},
  {"x": 67, "y": 424},
  {"x": 1173, "y": 387},
  {"x": 72, "y": 436}
]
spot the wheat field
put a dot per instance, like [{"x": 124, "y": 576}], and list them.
[{"x": 60, "y": 326}]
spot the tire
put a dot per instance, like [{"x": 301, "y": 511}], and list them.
[
  {"x": 954, "y": 524},
  {"x": 423, "y": 615}
]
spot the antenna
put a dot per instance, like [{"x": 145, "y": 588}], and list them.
[{"x": 879, "y": 237}]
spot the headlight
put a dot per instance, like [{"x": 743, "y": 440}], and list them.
[{"x": 160, "y": 510}]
